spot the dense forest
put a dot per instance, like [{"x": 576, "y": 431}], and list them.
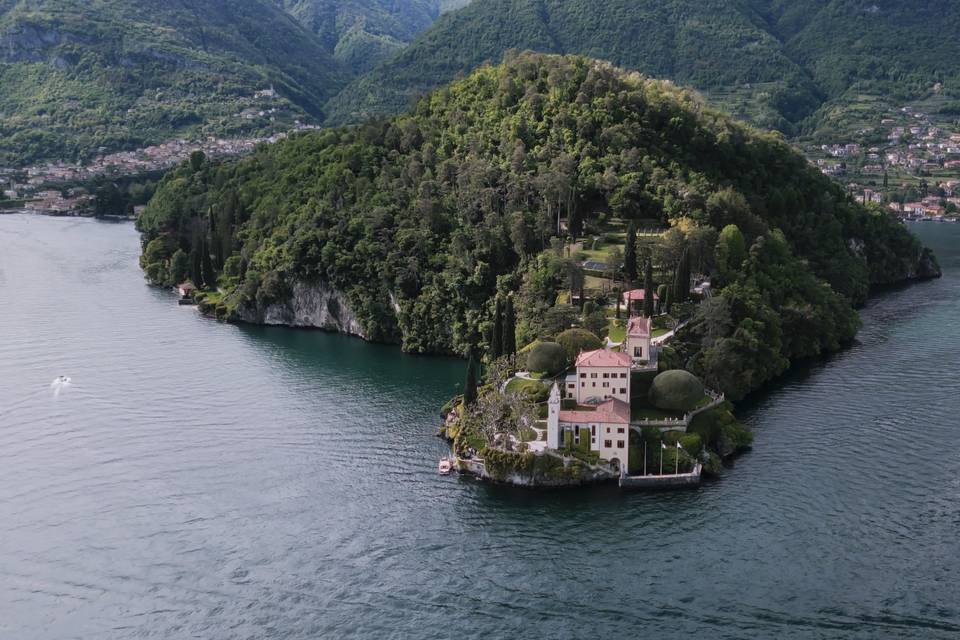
[
  {"x": 421, "y": 221},
  {"x": 775, "y": 62}
]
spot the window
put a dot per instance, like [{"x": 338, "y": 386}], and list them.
[
  {"x": 593, "y": 375},
  {"x": 583, "y": 375},
  {"x": 606, "y": 385},
  {"x": 608, "y": 444},
  {"x": 594, "y": 384},
  {"x": 619, "y": 430},
  {"x": 619, "y": 444},
  {"x": 593, "y": 429},
  {"x": 623, "y": 375},
  {"x": 638, "y": 352},
  {"x": 583, "y": 384},
  {"x": 608, "y": 429},
  {"x": 573, "y": 386},
  {"x": 623, "y": 390},
  {"x": 606, "y": 375}
]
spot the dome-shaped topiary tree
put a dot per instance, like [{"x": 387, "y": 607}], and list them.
[
  {"x": 574, "y": 341},
  {"x": 676, "y": 390},
  {"x": 547, "y": 357}
]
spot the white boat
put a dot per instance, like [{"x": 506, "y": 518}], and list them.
[{"x": 445, "y": 467}]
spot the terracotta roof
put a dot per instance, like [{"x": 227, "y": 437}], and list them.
[
  {"x": 637, "y": 294},
  {"x": 612, "y": 411},
  {"x": 639, "y": 327},
  {"x": 186, "y": 285},
  {"x": 603, "y": 358}
]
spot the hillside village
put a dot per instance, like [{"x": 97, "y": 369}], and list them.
[
  {"x": 909, "y": 162},
  {"x": 60, "y": 188}
]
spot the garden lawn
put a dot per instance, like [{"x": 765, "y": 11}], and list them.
[
  {"x": 519, "y": 385},
  {"x": 617, "y": 330}
]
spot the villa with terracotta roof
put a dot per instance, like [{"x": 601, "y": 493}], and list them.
[
  {"x": 606, "y": 426},
  {"x": 639, "y": 334},
  {"x": 600, "y": 375},
  {"x": 637, "y": 296}
]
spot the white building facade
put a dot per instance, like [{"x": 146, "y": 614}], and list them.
[
  {"x": 601, "y": 375},
  {"x": 605, "y": 427}
]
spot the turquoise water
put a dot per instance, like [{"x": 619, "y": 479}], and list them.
[{"x": 200, "y": 480}]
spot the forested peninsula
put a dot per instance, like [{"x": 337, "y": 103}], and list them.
[{"x": 503, "y": 185}]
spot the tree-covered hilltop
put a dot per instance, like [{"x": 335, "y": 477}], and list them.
[
  {"x": 775, "y": 62},
  {"x": 422, "y": 220},
  {"x": 705, "y": 43},
  {"x": 80, "y": 75}
]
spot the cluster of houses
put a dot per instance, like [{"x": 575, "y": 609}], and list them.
[
  {"x": 914, "y": 144},
  {"x": 929, "y": 208},
  {"x": 33, "y": 183},
  {"x": 56, "y": 203}
]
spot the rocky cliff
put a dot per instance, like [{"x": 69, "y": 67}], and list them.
[{"x": 309, "y": 305}]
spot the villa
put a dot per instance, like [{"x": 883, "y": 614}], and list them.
[
  {"x": 599, "y": 376},
  {"x": 606, "y": 426}
]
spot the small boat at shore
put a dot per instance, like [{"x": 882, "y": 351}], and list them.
[{"x": 445, "y": 467}]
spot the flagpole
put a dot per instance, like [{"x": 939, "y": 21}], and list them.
[
  {"x": 662, "y": 447},
  {"x": 644, "y": 457}
]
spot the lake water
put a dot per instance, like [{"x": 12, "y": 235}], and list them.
[{"x": 200, "y": 480}]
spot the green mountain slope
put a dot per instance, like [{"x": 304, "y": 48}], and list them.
[
  {"x": 706, "y": 43},
  {"x": 420, "y": 221},
  {"x": 771, "y": 60},
  {"x": 80, "y": 75},
  {"x": 363, "y": 33},
  {"x": 880, "y": 47}
]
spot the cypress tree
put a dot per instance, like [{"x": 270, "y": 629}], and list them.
[
  {"x": 470, "y": 385},
  {"x": 574, "y": 223},
  {"x": 509, "y": 329},
  {"x": 630, "y": 254},
  {"x": 196, "y": 273},
  {"x": 681, "y": 286},
  {"x": 648, "y": 291},
  {"x": 209, "y": 274},
  {"x": 496, "y": 340}
]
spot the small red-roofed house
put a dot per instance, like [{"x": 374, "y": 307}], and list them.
[{"x": 635, "y": 297}]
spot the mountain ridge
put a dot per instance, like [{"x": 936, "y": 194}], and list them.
[{"x": 781, "y": 61}]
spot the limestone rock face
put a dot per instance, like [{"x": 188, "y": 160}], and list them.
[{"x": 310, "y": 305}]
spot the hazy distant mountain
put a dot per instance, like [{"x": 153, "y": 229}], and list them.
[
  {"x": 79, "y": 75},
  {"x": 775, "y": 61}
]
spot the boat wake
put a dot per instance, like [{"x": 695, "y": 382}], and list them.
[{"x": 59, "y": 384}]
